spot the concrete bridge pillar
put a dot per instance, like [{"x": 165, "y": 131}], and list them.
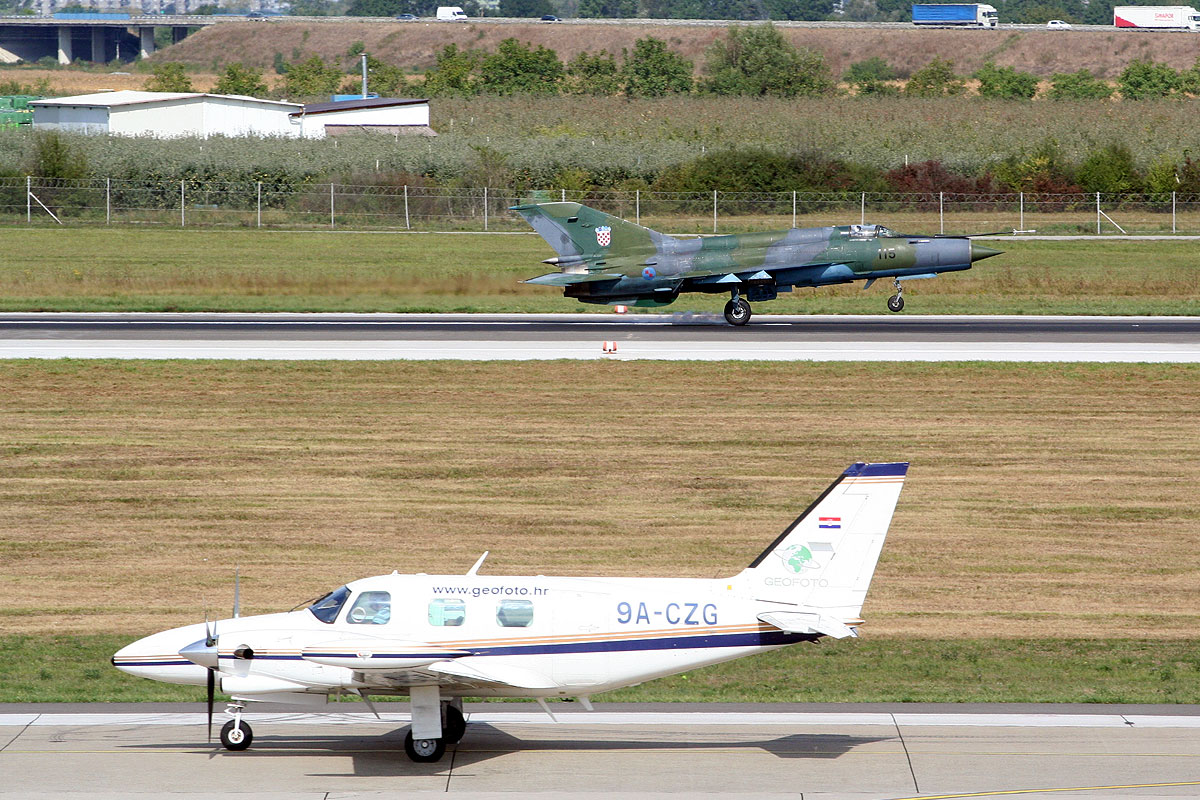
[
  {"x": 146, "y": 37},
  {"x": 178, "y": 33},
  {"x": 99, "y": 45},
  {"x": 64, "y": 45}
]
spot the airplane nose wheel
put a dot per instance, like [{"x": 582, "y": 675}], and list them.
[
  {"x": 236, "y": 738},
  {"x": 424, "y": 750},
  {"x": 737, "y": 311},
  {"x": 896, "y": 301}
]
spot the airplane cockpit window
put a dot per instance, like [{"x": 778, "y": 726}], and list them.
[
  {"x": 326, "y": 609},
  {"x": 371, "y": 608},
  {"x": 447, "y": 611},
  {"x": 515, "y": 613},
  {"x": 883, "y": 232},
  {"x": 862, "y": 231}
]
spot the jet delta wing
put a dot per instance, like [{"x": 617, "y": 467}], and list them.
[
  {"x": 439, "y": 638},
  {"x": 607, "y": 260}
]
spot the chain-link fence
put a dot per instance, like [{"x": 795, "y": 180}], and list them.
[{"x": 184, "y": 203}]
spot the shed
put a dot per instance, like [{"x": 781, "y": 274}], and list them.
[
  {"x": 167, "y": 114},
  {"x": 395, "y": 116}
]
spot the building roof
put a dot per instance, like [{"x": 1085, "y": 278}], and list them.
[
  {"x": 129, "y": 97},
  {"x": 354, "y": 105}
]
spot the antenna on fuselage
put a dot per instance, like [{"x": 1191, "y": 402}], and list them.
[{"x": 475, "y": 569}]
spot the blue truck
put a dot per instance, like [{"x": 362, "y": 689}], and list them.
[{"x": 965, "y": 15}]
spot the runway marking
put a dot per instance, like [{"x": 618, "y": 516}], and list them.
[{"x": 1000, "y": 793}]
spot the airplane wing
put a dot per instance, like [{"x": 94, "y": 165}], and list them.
[
  {"x": 475, "y": 673},
  {"x": 570, "y": 278},
  {"x": 780, "y": 274}
]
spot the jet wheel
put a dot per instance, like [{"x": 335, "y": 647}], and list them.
[
  {"x": 455, "y": 726},
  {"x": 424, "y": 750},
  {"x": 737, "y": 312},
  {"x": 236, "y": 739},
  {"x": 895, "y": 303}
]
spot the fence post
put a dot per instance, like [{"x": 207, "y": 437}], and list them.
[
  {"x": 182, "y": 205},
  {"x": 941, "y": 212},
  {"x": 258, "y": 204},
  {"x": 28, "y": 200},
  {"x": 407, "y": 226},
  {"x": 331, "y": 204},
  {"x": 485, "y": 208},
  {"x": 862, "y": 209},
  {"x": 637, "y": 206},
  {"x": 1173, "y": 212},
  {"x": 793, "y": 208},
  {"x": 714, "y": 210},
  {"x": 1097, "y": 213},
  {"x": 1021, "y": 201},
  {"x": 108, "y": 201}
]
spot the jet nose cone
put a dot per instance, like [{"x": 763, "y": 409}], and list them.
[
  {"x": 979, "y": 252},
  {"x": 201, "y": 653}
]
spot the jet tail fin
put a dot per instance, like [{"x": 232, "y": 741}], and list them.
[
  {"x": 824, "y": 560},
  {"x": 577, "y": 232}
]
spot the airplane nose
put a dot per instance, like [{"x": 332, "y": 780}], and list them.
[{"x": 979, "y": 252}]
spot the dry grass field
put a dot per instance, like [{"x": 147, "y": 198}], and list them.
[
  {"x": 416, "y": 46},
  {"x": 1043, "y": 501}
]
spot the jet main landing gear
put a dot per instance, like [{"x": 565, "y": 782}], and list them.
[
  {"x": 896, "y": 301},
  {"x": 737, "y": 311}
]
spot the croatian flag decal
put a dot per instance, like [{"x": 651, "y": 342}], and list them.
[
  {"x": 829, "y": 522},
  {"x": 603, "y": 235}
]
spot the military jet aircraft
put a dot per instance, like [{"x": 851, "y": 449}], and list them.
[
  {"x": 607, "y": 260},
  {"x": 438, "y": 638}
]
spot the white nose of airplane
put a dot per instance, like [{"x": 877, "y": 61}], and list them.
[{"x": 157, "y": 657}]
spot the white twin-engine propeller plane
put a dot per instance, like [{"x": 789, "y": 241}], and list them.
[{"x": 439, "y": 638}]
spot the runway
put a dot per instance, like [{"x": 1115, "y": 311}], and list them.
[
  {"x": 828, "y": 752},
  {"x": 683, "y": 336}
]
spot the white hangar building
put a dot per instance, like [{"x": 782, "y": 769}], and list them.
[
  {"x": 167, "y": 114},
  {"x": 393, "y": 116}
]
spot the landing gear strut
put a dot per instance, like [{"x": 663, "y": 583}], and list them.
[
  {"x": 737, "y": 310},
  {"x": 896, "y": 301},
  {"x": 434, "y": 724},
  {"x": 235, "y": 734}
]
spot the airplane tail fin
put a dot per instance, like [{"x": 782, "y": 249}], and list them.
[
  {"x": 581, "y": 234},
  {"x": 825, "y": 559}
]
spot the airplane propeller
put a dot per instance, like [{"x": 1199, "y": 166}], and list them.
[{"x": 210, "y": 641}]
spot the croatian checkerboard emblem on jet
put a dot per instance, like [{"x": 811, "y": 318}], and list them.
[
  {"x": 439, "y": 638},
  {"x": 607, "y": 260}
]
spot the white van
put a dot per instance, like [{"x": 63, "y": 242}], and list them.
[{"x": 451, "y": 14}]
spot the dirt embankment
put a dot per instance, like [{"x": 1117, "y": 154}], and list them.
[{"x": 415, "y": 45}]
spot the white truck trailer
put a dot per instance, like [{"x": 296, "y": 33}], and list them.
[{"x": 1180, "y": 18}]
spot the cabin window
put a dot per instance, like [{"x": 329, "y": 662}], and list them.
[
  {"x": 447, "y": 611},
  {"x": 515, "y": 613},
  {"x": 371, "y": 608},
  {"x": 326, "y": 609}
]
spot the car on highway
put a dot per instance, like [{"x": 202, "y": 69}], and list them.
[
  {"x": 550, "y": 18},
  {"x": 1058, "y": 25},
  {"x": 406, "y": 17}
]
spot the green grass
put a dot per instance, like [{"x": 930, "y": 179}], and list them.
[
  {"x": 82, "y": 269},
  {"x": 71, "y": 669}
]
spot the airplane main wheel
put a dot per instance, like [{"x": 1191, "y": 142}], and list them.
[
  {"x": 455, "y": 726},
  {"x": 895, "y": 303},
  {"x": 236, "y": 739},
  {"x": 737, "y": 312},
  {"x": 424, "y": 750}
]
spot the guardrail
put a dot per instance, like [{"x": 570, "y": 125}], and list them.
[{"x": 186, "y": 203}]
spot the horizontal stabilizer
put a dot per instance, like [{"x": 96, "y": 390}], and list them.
[
  {"x": 807, "y": 622},
  {"x": 571, "y": 278},
  {"x": 492, "y": 675}
]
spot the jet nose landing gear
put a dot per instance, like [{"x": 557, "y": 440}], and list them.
[
  {"x": 737, "y": 311},
  {"x": 896, "y": 301}
]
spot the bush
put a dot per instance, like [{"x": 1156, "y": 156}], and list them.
[
  {"x": 1005, "y": 83},
  {"x": 242, "y": 80},
  {"x": 169, "y": 77},
  {"x": 652, "y": 70},
  {"x": 516, "y": 69},
  {"x": 935, "y": 79},
  {"x": 311, "y": 79},
  {"x": 1145, "y": 79},
  {"x": 1109, "y": 169},
  {"x": 594, "y": 74},
  {"x": 761, "y": 170},
  {"x": 1044, "y": 170},
  {"x": 758, "y": 61},
  {"x": 454, "y": 74},
  {"x": 930, "y": 177},
  {"x": 1080, "y": 85},
  {"x": 873, "y": 70}
]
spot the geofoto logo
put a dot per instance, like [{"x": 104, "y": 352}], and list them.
[
  {"x": 797, "y": 558},
  {"x": 802, "y": 583}
]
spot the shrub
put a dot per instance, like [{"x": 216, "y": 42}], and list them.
[
  {"x": 1081, "y": 85},
  {"x": 935, "y": 79},
  {"x": 242, "y": 80},
  {"x": 1044, "y": 170},
  {"x": 873, "y": 70},
  {"x": 1109, "y": 169},
  {"x": 1145, "y": 79},
  {"x": 169, "y": 77},
  {"x": 311, "y": 78},
  {"x": 761, "y": 170},
  {"x": 55, "y": 157},
  {"x": 930, "y": 177},
  {"x": 1005, "y": 83},
  {"x": 758, "y": 61},
  {"x": 453, "y": 76},
  {"x": 594, "y": 74},
  {"x": 652, "y": 70},
  {"x": 515, "y": 69}
]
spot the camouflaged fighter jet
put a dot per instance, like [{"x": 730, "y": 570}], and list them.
[{"x": 607, "y": 260}]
